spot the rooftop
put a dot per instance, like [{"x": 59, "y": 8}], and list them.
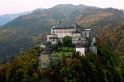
[
  {"x": 43, "y": 43},
  {"x": 76, "y": 31},
  {"x": 88, "y": 29},
  {"x": 46, "y": 51},
  {"x": 61, "y": 26},
  {"x": 56, "y": 27},
  {"x": 53, "y": 38},
  {"x": 81, "y": 46}
]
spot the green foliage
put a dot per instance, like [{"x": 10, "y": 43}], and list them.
[
  {"x": 23, "y": 68},
  {"x": 58, "y": 51},
  {"x": 103, "y": 67},
  {"x": 67, "y": 41}
]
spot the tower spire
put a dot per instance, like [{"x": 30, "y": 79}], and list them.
[{"x": 59, "y": 22}]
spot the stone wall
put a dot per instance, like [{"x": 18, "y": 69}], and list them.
[{"x": 62, "y": 32}]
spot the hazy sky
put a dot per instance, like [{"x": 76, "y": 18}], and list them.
[{"x": 17, "y": 6}]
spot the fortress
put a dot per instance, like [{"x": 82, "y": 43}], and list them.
[{"x": 82, "y": 39}]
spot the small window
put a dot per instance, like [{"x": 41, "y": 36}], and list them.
[
  {"x": 53, "y": 39},
  {"x": 79, "y": 39}
]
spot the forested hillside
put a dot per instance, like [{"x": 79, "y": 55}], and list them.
[
  {"x": 30, "y": 30},
  {"x": 103, "y": 67}
]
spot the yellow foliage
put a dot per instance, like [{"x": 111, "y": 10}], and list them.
[
  {"x": 68, "y": 61},
  {"x": 122, "y": 32}
]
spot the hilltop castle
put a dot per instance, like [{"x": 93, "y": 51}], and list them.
[{"x": 82, "y": 39}]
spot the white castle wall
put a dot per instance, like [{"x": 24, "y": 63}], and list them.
[
  {"x": 81, "y": 51},
  {"x": 62, "y": 32},
  {"x": 51, "y": 36},
  {"x": 76, "y": 35},
  {"x": 86, "y": 32},
  {"x": 93, "y": 49},
  {"x": 53, "y": 40}
]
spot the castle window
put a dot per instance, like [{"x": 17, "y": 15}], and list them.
[
  {"x": 53, "y": 39},
  {"x": 85, "y": 34}
]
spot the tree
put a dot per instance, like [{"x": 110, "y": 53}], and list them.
[{"x": 67, "y": 41}]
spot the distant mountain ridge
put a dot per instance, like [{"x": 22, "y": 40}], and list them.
[
  {"x": 9, "y": 17},
  {"x": 29, "y": 30}
]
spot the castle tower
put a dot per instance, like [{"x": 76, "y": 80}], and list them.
[{"x": 45, "y": 58}]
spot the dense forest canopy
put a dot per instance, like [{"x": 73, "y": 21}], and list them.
[{"x": 102, "y": 67}]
